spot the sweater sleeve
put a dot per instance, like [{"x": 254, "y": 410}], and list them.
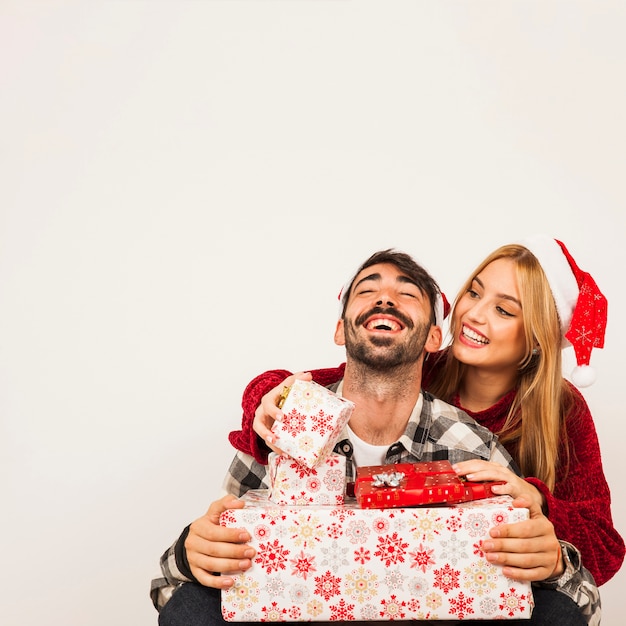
[
  {"x": 246, "y": 440},
  {"x": 580, "y": 506}
]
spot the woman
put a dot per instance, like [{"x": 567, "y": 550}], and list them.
[{"x": 503, "y": 367}]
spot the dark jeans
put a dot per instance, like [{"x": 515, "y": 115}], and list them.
[{"x": 195, "y": 605}]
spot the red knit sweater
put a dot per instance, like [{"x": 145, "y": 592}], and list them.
[{"x": 579, "y": 507}]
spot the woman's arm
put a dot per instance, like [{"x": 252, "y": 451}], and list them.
[
  {"x": 246, "y": 439},
  {"x": 580, "y": 505}
]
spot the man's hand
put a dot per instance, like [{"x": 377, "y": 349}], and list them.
[
  {"x": 268, "y": 412},
  {"x": 214, "y": 549}
]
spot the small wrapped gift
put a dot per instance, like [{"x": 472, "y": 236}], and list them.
[
  {"x": 415, "y": 484},
  {"x": 313, "y": 418},
  {"x": 291, "y": 482}
]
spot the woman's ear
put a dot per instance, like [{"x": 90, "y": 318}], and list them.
[{"x": 340, "y": 338}]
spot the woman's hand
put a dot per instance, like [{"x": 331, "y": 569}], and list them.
[
  {"x": 268, "y": 412},
  {"x": 527, "y": 550},
  {"x": 516, "y": 487}
]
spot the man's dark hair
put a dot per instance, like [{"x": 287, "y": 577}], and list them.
[{"x": 407, "y": 265}]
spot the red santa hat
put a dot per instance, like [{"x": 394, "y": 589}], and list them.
[{"x": 582, "y": 308}]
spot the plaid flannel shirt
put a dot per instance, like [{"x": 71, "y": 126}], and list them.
[{"x": 435, "y": 431}]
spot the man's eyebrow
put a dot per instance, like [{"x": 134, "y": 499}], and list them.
[
  {"x": 376, "y": 276},
  {"x": 503, "y": 296}
]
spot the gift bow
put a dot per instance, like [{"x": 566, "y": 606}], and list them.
[{"x": 392, "y": 479}]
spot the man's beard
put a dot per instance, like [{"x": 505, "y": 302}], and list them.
[{"x": 365, "y": 351}]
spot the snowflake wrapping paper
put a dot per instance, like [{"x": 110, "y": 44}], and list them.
[
  {"x": 326, "y": 563},
  {"x": 313, "y": 418},
  {"x": 293, "y": 483}
]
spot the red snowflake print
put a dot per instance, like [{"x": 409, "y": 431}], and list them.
[
  {"x": 322, "y": 423},
  {"x": 272, "y": 613},
  {"x": 332, "y": 460},
  {"x": 301, "y": 470},
  {"x": 342, "y": 513},
  {"x": 362, "y": 556},
  {"x": 261, "y": 532},
  {"x": 271, "y": 556},
  {"x": 327, "y": 585},
  {"x": 422, "y": 558},
  {"x": 294, "y": 613},
  {"x": 391, "y": 549},
  {"x": 334, "y": 531},
  {"x": 499, "y": 518},
  {"x": 478, "y": 548},
  {"x": 228, "y": 615},
  {"x": 446, "y": 578},
  {"x": 454, "y": 524},
  {"x": 511, "y": 602},
  {"x": 294, "y": 422},
  {"x": 273, "y": 516},
  {"x": 413, "y": 605},
  {"x": 334, "y": 480},
  {"x": 227, "y": 518},
  {"x": 392, "y": 609},
  {"x": 303, "y": 565},
  {"x": 461, "y": 606},
  {"x": 342, "y": 612},
  {"x": 313, "y": 484},
  {"x": 381, "y": 525}
]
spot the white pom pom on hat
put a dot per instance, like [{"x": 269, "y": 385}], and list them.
[{"x": 582, "y": 308}]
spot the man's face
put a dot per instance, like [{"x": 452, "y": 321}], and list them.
[{"x": 387, "y": 320}]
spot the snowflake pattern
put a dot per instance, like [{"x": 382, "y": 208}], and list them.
[
  {"x": 480, "y": 578},
  {"x": 453, "y": 550},
  {"x": 328, "y": 563},
  {"x": 361, "y": 585},
  {"x": 461, "y": 605},
  {"x": 327, "y": 585},
  {"x": 422, "y": 558},
  {"x": 302, "y": 565},
  {"x": 392, "y": 608},
  {"x": 511, "y": 602},
  {"x": 334, "y": 556},
  {"x": 391, "y": 549}
]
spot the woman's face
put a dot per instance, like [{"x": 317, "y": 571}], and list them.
[{"x": 489, "y": 321}]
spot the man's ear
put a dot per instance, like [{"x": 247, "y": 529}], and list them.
[
  {"x": 435, "y": 337},
  {"x": 340, "y": 338}
]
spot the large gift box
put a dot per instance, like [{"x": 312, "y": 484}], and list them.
[
  {"x": 291, "y": 482},
  {"x": 313, "y": 418},
  {"x": 344, "y": 563},
  {"x": 413, "y": 484}
]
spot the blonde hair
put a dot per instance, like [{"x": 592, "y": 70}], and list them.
[{"x": 535, "y": 423}]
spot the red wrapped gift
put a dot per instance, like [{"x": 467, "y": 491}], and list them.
[{"x": 415, "y": 484}]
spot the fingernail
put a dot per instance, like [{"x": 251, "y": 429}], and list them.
[
  {"x": 487, "y": 545},
  {"x": 249, "y": 553}
]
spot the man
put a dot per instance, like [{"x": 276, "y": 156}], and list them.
[{"x": 392, "y": 311}]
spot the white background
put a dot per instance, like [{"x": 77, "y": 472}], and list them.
[{"x": 185, "y": 186}]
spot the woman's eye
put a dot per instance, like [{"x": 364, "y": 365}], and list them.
[
  {"x": 472, "y": 293},
  {"x": 504, "y": 312}
]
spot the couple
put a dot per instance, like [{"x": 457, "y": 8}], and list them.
[{"x": 503, "y": 368}]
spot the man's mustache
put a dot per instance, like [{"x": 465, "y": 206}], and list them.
[{"x": 361, "y": 319}]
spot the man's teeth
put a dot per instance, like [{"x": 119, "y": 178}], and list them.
[
  {"x": 383, "y": 325},
  {"x": 474, "y": 336}
]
